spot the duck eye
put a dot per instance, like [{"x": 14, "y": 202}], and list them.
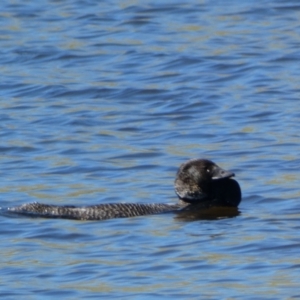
[{"x": 207, "y": 170}]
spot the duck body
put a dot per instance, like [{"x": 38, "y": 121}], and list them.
[
  {"x": 93, "y": 212},
  {"x": 199, "y": 184}
]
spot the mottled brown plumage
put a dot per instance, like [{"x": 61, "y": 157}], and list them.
[{"x": 199, "y": 184}]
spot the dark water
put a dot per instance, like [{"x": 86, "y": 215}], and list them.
[{"x": 101, "y": 101}]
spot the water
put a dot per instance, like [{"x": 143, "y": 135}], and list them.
[{"x": 101, "y": 101}]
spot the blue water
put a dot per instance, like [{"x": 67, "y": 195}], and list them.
[{"x": 101, "y": 101}]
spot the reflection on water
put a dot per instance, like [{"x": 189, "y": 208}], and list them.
[
  {"x": 213, "y": 213},
  {"x": 102, "y": 101}
]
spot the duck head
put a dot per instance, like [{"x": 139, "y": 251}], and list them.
[{"x": 194, "y": 179}]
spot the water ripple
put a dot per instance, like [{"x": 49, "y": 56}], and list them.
[{"x": 102, "y": 101}]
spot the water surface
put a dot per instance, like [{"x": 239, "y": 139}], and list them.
[{"x": 101, "y": 101}]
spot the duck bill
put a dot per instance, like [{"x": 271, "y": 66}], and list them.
[{"x": 219, "y": 173}]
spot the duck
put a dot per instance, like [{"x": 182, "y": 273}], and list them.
[{"x": 200, "y": 184}]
